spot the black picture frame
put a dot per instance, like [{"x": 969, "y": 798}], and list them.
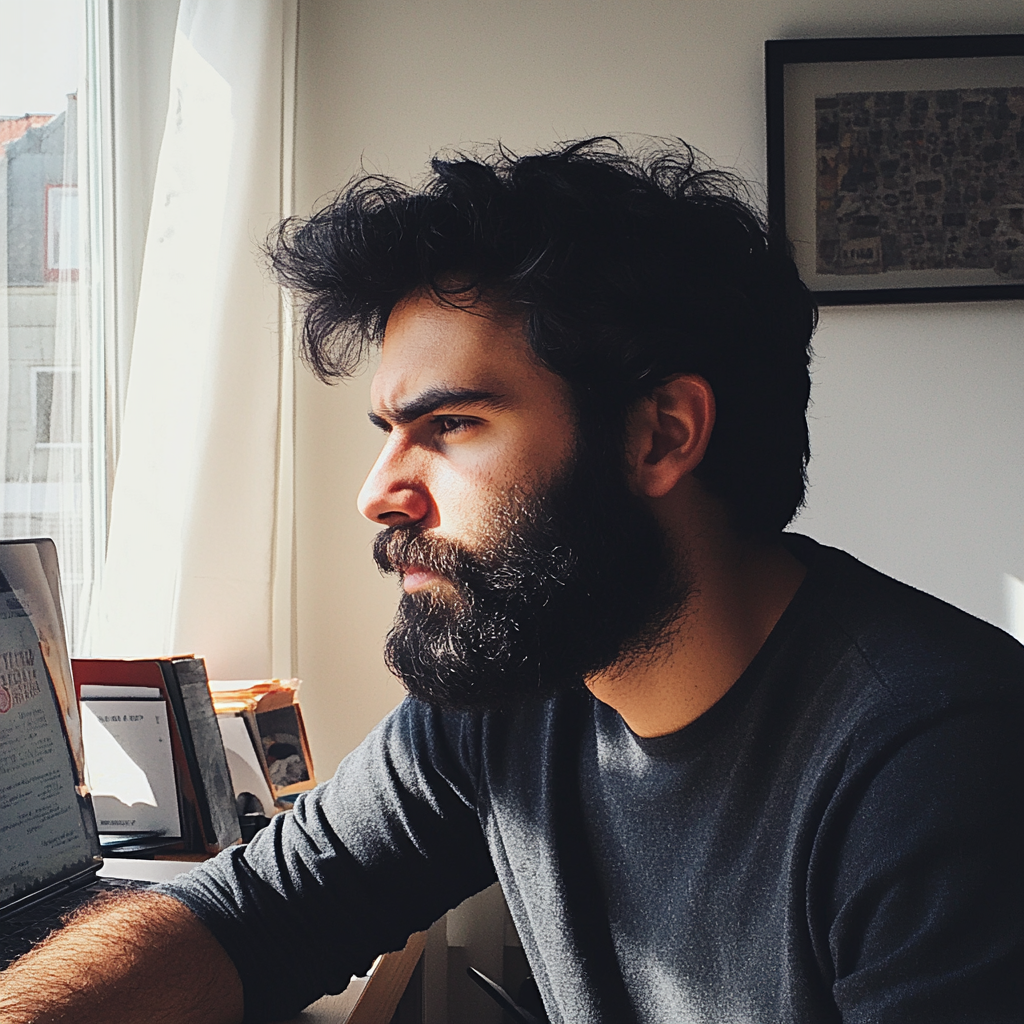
[{"x": 925, "y": 225}]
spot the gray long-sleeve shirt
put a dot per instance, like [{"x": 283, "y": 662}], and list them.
[{"x": 837, "y": 839}]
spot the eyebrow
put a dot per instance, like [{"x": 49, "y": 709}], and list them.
[{"x": 433, "y": 399}]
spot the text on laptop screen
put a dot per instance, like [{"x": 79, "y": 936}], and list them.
[{"x": 41, "y": 830}]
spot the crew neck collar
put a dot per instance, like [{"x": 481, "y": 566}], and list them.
[{"x": 691, "y": 737}]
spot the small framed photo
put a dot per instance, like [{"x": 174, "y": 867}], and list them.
[{"x": 896, "y": 166}]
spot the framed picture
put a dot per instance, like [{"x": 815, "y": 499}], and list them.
[{"x": 896, "y": 166}]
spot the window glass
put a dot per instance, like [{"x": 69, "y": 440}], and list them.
[{"x": 44, "y": 358}]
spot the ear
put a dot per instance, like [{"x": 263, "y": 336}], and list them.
[{"x": 669, "y": 433}]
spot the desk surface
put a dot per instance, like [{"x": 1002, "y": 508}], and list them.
[{"x": 145, "y": 870}]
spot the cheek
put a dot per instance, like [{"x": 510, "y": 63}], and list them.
[
  {"x": 475, "y": 482},
  {"x": 464, "y": 498},
  {"x": 550, "y": 443},
  {"x": 473, "y": 508},
  {"x": 547, "y": 454},
  {"x": 471, "y": 471},
  {"x": 532, "y": 453}
]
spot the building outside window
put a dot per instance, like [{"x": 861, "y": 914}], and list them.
[{"x": 47, "y": 435}]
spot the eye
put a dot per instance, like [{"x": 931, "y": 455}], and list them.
[{"x": 448, "y": 425}]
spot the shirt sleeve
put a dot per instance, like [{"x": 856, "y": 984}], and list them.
[
  {"x": 380, "y": 851},
  {"x": 923, "y": 857}
]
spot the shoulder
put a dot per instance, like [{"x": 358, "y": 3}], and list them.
[
  {"x": 479, "y": 743},
  {"x": 492, "y": 755},
  {"x": 906, "y": 646}
]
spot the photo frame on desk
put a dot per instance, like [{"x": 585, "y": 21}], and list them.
[{"x": 896, "y": 166}]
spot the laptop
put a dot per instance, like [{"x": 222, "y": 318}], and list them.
[{"x": 49, "y": 845}]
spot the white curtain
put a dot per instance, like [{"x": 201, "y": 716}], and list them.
[{"x": 199, "y": 548}]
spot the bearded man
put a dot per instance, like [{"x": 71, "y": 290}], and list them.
[{"x": 721, "y": 772}]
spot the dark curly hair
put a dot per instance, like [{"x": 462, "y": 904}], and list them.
[{"x": 626, "y": 269}]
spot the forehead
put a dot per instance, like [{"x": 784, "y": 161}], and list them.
[{"x": 428, "y": 344}]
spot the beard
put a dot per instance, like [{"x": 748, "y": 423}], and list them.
[{"x": 564, "y": 583}]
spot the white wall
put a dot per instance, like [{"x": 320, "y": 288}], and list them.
[
  {"x": 917, "y": 433},
  {"x": 917, "y": 422}
]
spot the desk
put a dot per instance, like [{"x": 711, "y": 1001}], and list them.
[
  {"x": 146, "y": 870},
  {"x": 369, "y": 1000}
]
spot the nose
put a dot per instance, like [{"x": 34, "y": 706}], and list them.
[{"x": 392, "y": 493}]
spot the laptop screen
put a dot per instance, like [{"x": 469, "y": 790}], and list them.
[{"x": 46, "y": 832}]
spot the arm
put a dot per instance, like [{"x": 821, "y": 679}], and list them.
[
  {"x": 134, "y": 957},
  {"x": 924, "y": 909},
  {"x": 380, "y": 851}
]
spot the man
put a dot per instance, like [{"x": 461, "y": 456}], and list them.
[{"x": 722, "y": 773}]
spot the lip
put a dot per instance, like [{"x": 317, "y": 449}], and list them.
[{"x": 417, "y": 577}]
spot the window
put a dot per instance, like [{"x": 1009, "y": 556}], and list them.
[
  {"x": 61, "y": 231},
  {"x": 52, "y": 437},
  {"x": 142, "y": 251},
  {"x": 55, "y": 411}
]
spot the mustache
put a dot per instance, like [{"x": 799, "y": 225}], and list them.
[
  {"x": 517, "y": 568},
  {"x": 396, "y": 548}
]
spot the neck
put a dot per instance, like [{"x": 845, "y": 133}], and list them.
[{"x": 740, "y": 590}]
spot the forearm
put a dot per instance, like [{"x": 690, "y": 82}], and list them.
[{"x": 138, "y": 957}]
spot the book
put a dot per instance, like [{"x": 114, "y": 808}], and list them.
[
  {"x": 128, "y": 761},
  {"x": 206, "y": 800}
]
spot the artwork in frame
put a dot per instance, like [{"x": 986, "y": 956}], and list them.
[{"x": 896, "y": 166}]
